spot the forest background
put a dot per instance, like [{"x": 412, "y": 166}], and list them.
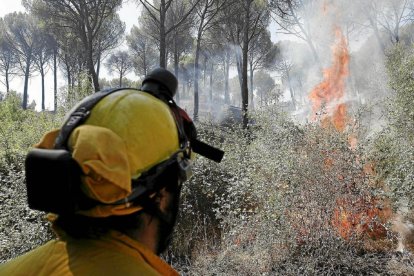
[{"x": 317, "y": 123}]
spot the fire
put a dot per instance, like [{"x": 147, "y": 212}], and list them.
[
  {"x": 330, "y": 92},
  {"x": 361, "y": 217}
]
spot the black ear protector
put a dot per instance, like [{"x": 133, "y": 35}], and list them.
[{"x": 53, "y": 177}]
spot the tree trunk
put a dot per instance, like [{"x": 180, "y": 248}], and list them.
[
  {"x": 42, "y": 75},
  {"x": 177, "y": 94},
  {"x": 120, "y": 79},
  {"x": 7, "y": 83},
  {"x": 55, "y": 79},
  {"x": 98, "y": 64},
  {"x": 67, "y": 67},
  {"x": 244, "y": 87},
  {"x": 68, "y": 77},
  {"x": 251, "y": 88},
  {"x": 211, "y": 86},
  {"x": 163, "y": 62},
  {"x": 204, "y": 70},
  {"x": 144, "y": 60},
  {"x": 196, "y": 67},
  {"x": 239, "y": 63},
  {"x": 94, "y": 77},
  {"x": 226, "y": 78},
  {"x": 292, "y": 94},
  {"x": 26, "y": 82},
  {"x": 91, "y": 69},
  {"x": 196, "y": 78}
]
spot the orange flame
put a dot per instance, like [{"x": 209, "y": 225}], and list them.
[
  {"x": 332, "y": 89},
  {"x": 361, "y": 217}
]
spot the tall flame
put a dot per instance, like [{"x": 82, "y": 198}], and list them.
[{"x": 330, "y": 92}]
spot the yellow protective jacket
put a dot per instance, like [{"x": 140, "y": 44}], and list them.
[{"x": 114, "y": 254}]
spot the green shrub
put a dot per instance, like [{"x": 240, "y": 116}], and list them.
[
  {"x": 392, "y": 150},
  {"x": 21, "y": 229},
  {"x": 20, "y": 129}
]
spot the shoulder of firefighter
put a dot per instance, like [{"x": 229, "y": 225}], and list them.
[{"x": 113, "y": 254}]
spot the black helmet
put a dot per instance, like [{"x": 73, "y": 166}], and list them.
[{"x": 163, "y": 77}]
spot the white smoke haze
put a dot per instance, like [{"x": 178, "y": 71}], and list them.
[
  {"x": 367, "y": 60},
  {"x": 370, "y": 28}
]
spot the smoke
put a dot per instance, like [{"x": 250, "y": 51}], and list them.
[
  {"x": 309, "y": 53},
  {"x": 212, "y": 67},
  {"x": 403, "y": 224},
  {"x": 321, "y": 21}
]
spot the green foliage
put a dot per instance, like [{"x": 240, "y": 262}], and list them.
[
  {"x": 265, "y": 86},
  {"x": 112, "y": 83},
  {"x": 144, "y": 55},
  {"x": 119, "y": 62},
  {"x": 20, "y": 129},
  {"x": 21, "y": 228},
  {"x": 73, "y": 94},
  {"x": 393, "y": 148},
  {"x": 400, "y": 67}
]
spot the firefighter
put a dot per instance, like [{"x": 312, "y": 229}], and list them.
[{"x": 110, "y": 179}]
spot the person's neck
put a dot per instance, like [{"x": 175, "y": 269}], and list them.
[{"x": 147, "y": 233}]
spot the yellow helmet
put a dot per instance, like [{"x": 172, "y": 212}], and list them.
[
  {"x": 116, "y": 142},
  {"x": 126, "y": 134}
]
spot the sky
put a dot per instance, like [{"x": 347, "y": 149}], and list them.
[{"x": 128, "y": 13}]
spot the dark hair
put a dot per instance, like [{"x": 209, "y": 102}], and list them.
[
  {"x": 82, "y": 227},
  {"x": 79, "y": 226}
]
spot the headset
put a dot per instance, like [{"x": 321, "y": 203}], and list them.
[{"x": 53, "y": 177}]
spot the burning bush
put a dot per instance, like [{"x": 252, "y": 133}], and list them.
[{"x": 295, "y": 200}]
